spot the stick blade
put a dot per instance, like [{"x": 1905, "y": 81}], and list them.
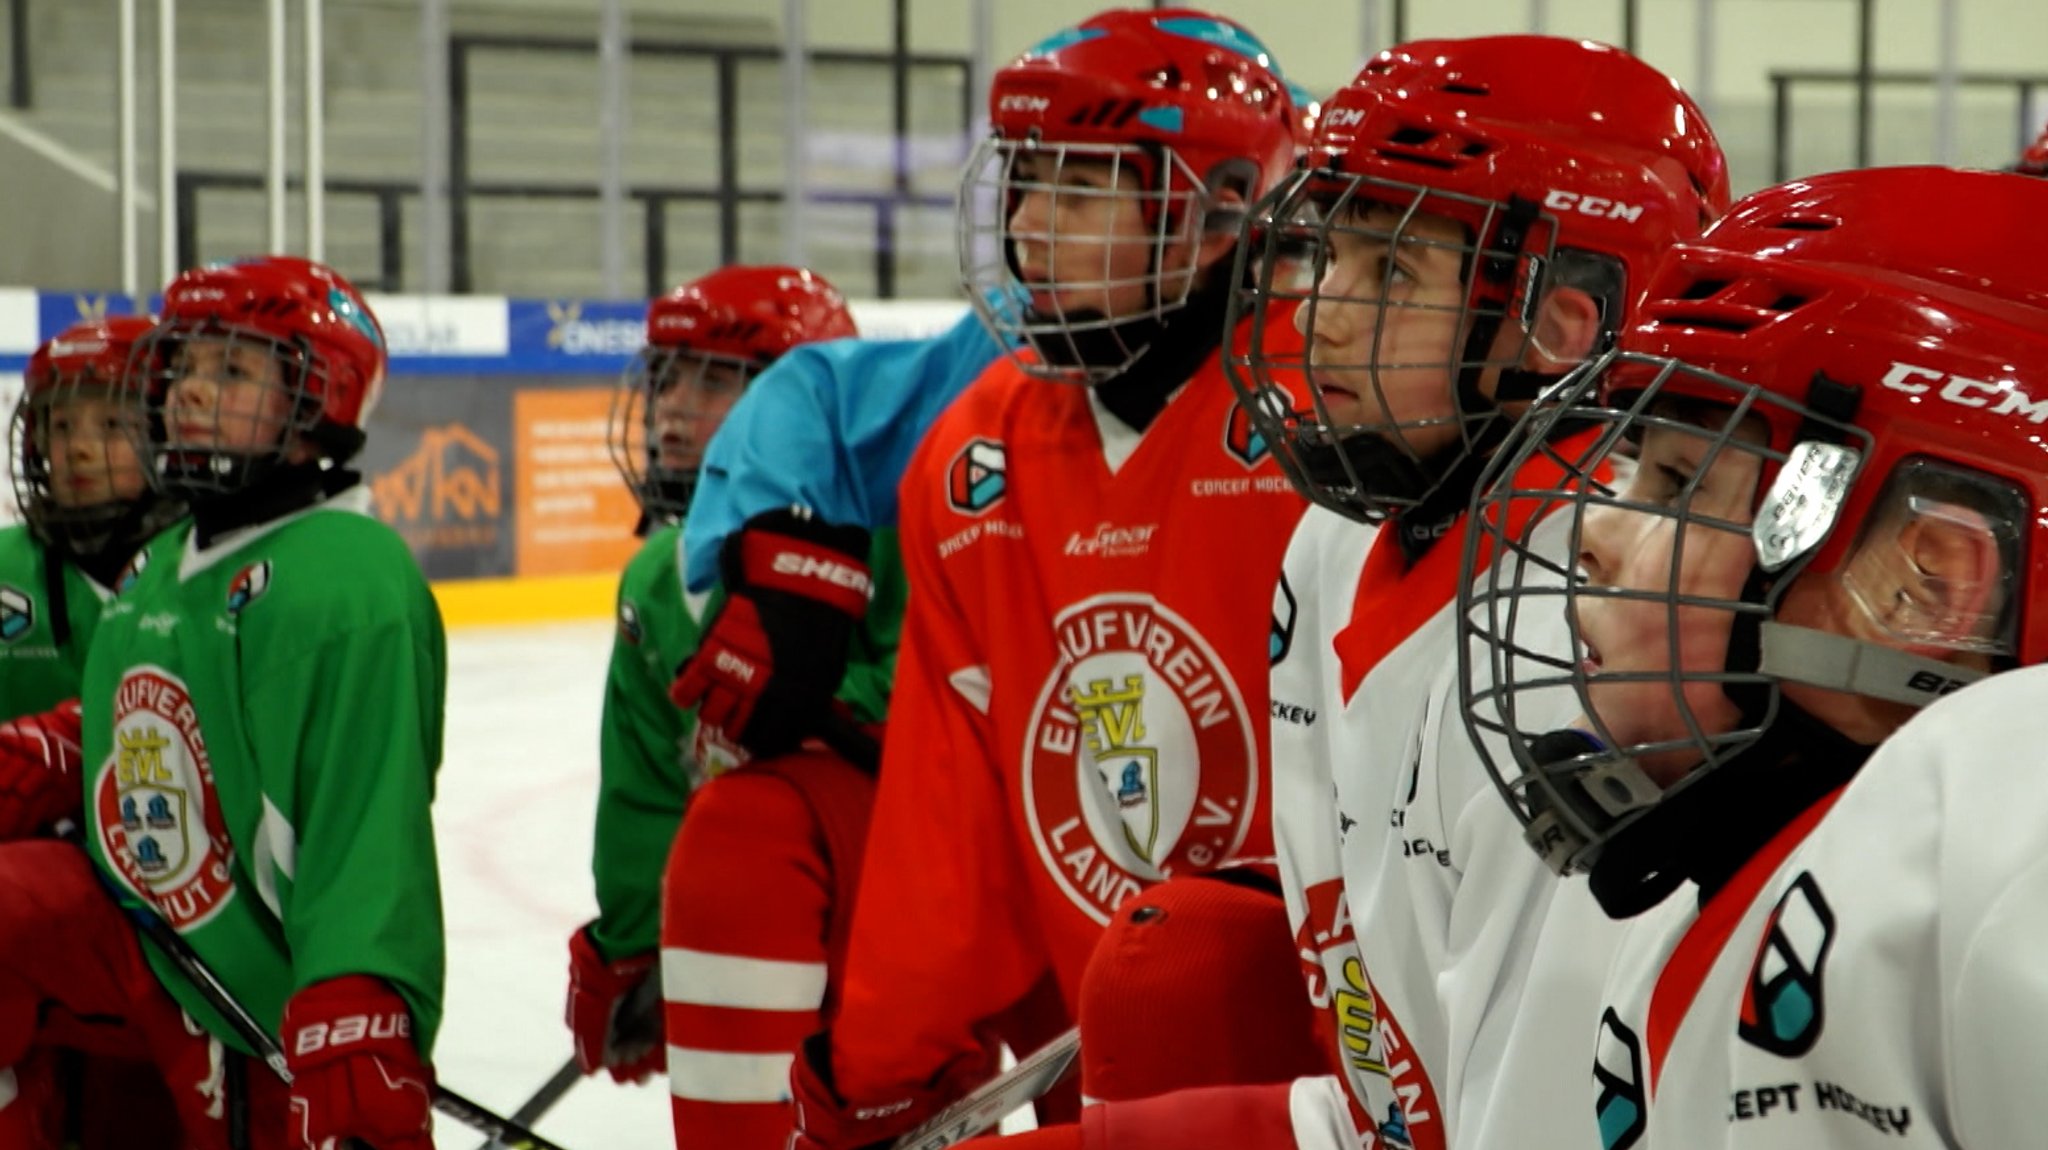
[{"x": 997, "y": 1098}]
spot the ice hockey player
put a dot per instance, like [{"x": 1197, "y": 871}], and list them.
[
  {"x": 1460, "y": 212},
  {"x": 262, "y": 710},
  {"x": 1077, "y": 710},
  {"x": 740, "y": 898},
  {"x": 87, "y": 507},
  {"x": 1835, "y": 879}
]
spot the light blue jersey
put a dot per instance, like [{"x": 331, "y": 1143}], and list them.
[{"x": 829, "y": 426}]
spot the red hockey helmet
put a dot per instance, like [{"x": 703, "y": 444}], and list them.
[
  {"x": 1562, "y": 162},
  {"x": 96, "y": 496},
  {"x": 706, "y": 340},
  {"x": 1872, "y": 368},
  {"x": 1188, "y": 103},
  {"x": 303, "y": 316},
  {"x": 753, "y": 314}
]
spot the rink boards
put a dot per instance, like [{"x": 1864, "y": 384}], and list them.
[{"x": 488, "y": 451}]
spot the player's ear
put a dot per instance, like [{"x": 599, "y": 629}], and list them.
[
  {"x": 1937, "y": 584},
  {"x": 1566, "y": 331}
]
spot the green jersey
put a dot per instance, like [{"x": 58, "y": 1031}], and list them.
[
  {"x": 36, "y": 671},
  {"x": 645, "y": 775},
  {"x": 262, "y": 726}
]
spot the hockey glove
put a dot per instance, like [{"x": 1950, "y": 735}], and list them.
[
  {"x": 599, "y": 995},
  {"x": 770, "y": 660},
  {"x": 825, "y": 1121},
  {"x": 39, "y": 771},
  {"x": 355, "y": 1070}
]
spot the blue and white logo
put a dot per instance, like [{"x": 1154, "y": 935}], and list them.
[{"x": 17, "y": 613}]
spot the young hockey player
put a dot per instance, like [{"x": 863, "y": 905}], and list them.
[
  {"x": 1834, "y": 522},
  {"x": 262, "y": 721},
  {"x": 1077, "y": 713},
  {"x": 86, "y": 507},
  {"x": 739, "y": 900},
  {"x": 1478, "y": 216}
]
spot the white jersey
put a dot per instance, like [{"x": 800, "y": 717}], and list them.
[
  {"x": 1874, "y": 978},
  {"x": 1456, "y": 961},
  {"x": 1326, "y": 552}
]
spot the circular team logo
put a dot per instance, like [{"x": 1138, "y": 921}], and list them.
[
  {"x": 159, "y": 817},
  {"x": 1140, "y": 761}
]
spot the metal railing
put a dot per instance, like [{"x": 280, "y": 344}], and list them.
[
  {"x": 20, "y": 81},
  {"x": 727, "y": 192},
  {"x": 390, "y": 196},
  {"x": 1864, "y": 80}
]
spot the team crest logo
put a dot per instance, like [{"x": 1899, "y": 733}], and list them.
[
  {"x": 1140, "y": 762},
  {"x": 159, "y": 817},
  {"x": 1241, "y": 438},
  {"x": 132, "y": 572},
  {"x": 1280, "y": 639},
  {"x": 1618, "y": 1075},
  {"x": 629, "y": 622},
  {"x": 17, "y": 613},
  {"x": 1781, "y": 1006},
  {"x": 977, "y": 477},
  {"x": 248, "y": 586}
]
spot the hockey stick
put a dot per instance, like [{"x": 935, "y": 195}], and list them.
[
  {"x": 174, "y": 947},
  {"x": 998, "y": 1097},
  {"x": 543, "y": 1099},
  {"x": 635, "y": 1014}
]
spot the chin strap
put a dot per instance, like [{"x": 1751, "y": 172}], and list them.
[{"x": 1839, "y": 663}]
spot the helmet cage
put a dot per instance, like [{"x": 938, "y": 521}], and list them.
[
  {"x": 633, "y": 430},
  {"x": 82, "y": 529},
  {"x": 1290, "y": 240},
  {"x": 1572, "y": 807},
  {"x": 1083, "y": 345},
  {"x": 205, "y": 467}
]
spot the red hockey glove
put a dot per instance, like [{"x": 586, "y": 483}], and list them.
[
  {"x": 606, "y": 1034},
  {"x": 355, "y": 1070},
  {"x": 825, "y": 1121},
  {"x": 39, "y": 771},
  {"x": 770, "y": 660}
]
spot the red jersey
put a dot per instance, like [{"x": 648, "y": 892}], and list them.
[{"x": 1080, "y": 705}]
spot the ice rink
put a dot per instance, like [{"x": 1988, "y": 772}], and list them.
[{"x": 518, "y": 788}]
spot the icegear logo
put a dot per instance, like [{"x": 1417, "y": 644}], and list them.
[
  {"x": 1242, "y": 440},
  {"x": 629, "y": 622},
  {"x": 1618, "y": 1075},
  {"x": 1280, "y": 639},
  {"x": 17, "y": 613},
  {"x": 248, "y": 586},
  {"x": 1781, "y": 1006},
  {"x": 978, "y": 476}
]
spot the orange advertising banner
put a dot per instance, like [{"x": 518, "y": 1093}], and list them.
[{"x": 575, "y": 514}]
